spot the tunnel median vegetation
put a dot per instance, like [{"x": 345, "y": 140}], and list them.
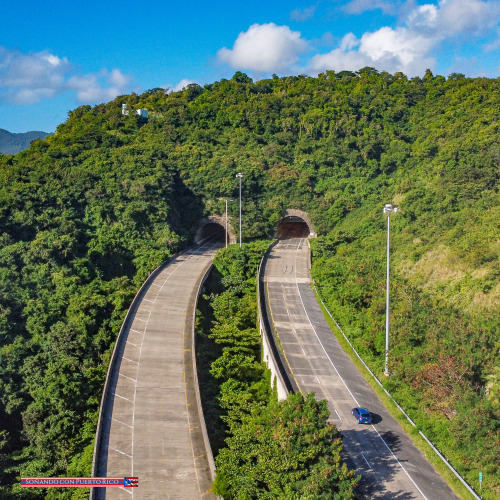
[{"x": 264, "y": 448}]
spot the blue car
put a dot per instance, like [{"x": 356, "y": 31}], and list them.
[{"x": 362, "y": 415}]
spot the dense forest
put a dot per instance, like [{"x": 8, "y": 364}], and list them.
[{"x": 86, "y": 213}]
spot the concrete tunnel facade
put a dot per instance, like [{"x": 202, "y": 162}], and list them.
[
  {"x": 295, "y": 224},
  {"x": 214, "y": 226}
]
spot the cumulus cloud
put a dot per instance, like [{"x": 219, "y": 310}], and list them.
[
  {"x": 265, "y": 48},
  {"x": 35, "y": 76},
  {"x": 182, "y": 84},
  {"x": 29, "y": 78},
  {"x": 98, "y": 87},
  {"x": 410, "y": 47}
]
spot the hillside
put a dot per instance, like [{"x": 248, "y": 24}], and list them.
[
  {"x": 87, "y": 212},
  {"x": 11, "y": 144}
]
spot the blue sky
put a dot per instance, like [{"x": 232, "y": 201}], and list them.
[{"x": 56, "y": 55}]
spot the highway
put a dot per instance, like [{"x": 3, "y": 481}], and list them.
[
  {"x": 391, "y": 467},
  {"x": 151, "y": 424}
]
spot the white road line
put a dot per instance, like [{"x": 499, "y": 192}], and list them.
[
  {"x": 357, "y": 404},
  {"x": 367, "y": 463},
  {"x": 337, "y": 413},
  {"x": 120, "y": 422},
  {"x": 122, "y": 397},
  {"x": 131, "y": 343},
  {"x": 122, "y": 452},
  {"x": 136, "y": 331},
  {"x": 125, "y": 376},
  {"x": 131, "y": 360}
]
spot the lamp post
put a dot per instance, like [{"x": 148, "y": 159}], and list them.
[
  {"x": 226, "y": 224},
  {"x": 387, "y": 210},
  {"x": 240, "y": 175}
]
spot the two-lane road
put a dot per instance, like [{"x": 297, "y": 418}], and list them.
[
  {"x": 151, "y": 425},
  {"x": 390, "y": 465}
]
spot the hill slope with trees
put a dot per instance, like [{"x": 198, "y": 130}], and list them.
[{"x": 87, "y": 212}]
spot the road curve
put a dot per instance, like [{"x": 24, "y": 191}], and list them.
[
  {"x": 391, "y": 467},
  {"x": 150, "y": 421}
]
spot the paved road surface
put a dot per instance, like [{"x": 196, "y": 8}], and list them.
[
  {"x": 151, "y": 424},
  {"x": 390, "y": 465}
]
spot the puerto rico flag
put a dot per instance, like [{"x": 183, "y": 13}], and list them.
[{"x": 131, "y": 482}]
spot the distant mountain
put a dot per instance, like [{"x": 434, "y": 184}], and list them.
[{"x": 11, "y": 144}]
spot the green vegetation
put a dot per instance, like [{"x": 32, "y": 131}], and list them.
[
  {"x": 87, "y": 212},
  {"x": 273, "y": 450}
]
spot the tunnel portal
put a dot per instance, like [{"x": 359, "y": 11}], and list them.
[
  {"x": 214, "y": 228},
  {"x": 213, "y": 231},
  {"x": 292, "y": 227}
]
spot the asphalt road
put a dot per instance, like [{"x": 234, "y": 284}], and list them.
[
  {"x": 151, "y": 423},
  {"x": 391, "y": 467}
]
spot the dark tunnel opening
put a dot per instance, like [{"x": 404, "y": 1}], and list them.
[
  {"x": 292, "y": 227},
  {"x": 211, "y": 231}
]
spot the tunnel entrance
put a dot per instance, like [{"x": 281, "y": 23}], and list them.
[
  {"x": 292, "y": 227},
  {"x": 294, "y": 224},
  {"x": 213, "y": 231},
  {"x": 214, "y": 228}
]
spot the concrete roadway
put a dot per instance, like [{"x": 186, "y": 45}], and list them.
[
  {"x": 151, "y": 424},
  {"x": 391, "y": 467}
]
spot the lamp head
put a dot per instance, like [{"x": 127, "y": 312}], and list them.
[{"x": 390, "y": 208}]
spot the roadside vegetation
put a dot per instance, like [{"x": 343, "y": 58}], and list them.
[
  {"x": 275, "y": 450},
  {"x": 88, "y": 211}
]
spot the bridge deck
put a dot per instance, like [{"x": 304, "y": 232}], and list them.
[
  {"x": 151, "y": 426},
  {"x": 390, "y": 465}
]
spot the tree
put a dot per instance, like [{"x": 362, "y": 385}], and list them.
[{"x": 286, "y": 451}]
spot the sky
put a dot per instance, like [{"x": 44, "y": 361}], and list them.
[{"x": 57, "y": 55}]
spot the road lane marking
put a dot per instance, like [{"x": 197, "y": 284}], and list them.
[
  {"x": 120, "y": 422},
  {"x": 131, "y": 360},
  {"x": 123, "y": 397},
  {"x": 367, "y": 463},
  {"x": 337, "y": 413}
]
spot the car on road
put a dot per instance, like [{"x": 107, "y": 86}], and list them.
[{"x": 362, "y": 415}]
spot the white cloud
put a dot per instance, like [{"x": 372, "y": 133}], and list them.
[
  {"x": 98, "y": 87},
  {"x": 348, "y": 42},
  {"x": 33, "y": 77},
  {"x": 265, "y": 48},
  {"x": 360, "y": 6},
  {"x": 182, "y": 84},
  {"x": 303, "y": 14},
  {"x": 410, "y": 47},
  {"x": 29, "y": 78}
]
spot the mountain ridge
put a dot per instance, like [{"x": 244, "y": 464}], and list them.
[{"x": 12, "y": 143}]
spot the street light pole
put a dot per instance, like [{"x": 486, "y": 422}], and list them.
[
  {"x": 240, "y": 175},
  {"x": 387, "y": 210},
  {"x": 226, "y": 224}
]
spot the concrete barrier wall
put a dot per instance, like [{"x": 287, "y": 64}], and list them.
[
  {"x": 195, "y": 297},
  {"x": 272, "y": 355}
]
